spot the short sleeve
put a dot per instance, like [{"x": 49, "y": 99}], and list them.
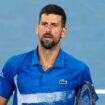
[
  {"x": 0, "y": 84},
  {"x": 86, "y": 76},
  {"x": 6, "y": 81}
]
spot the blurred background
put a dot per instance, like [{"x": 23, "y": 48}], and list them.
[{"x": 85, "y": 39}]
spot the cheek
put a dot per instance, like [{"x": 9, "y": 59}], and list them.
[
  {"x": 57, "y": 33},
  {"x": 40, "y": 31}
]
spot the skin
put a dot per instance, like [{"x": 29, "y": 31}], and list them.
[
  {"x": 3, "y": 101},
  {"x": 52, "y": 25}
]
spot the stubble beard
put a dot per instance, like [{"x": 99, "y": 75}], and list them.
[{"x": 49, "y": 45}]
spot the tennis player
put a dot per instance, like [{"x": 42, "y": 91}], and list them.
[{"x": 46, "y": 75}]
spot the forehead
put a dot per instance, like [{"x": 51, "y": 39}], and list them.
[{"x": 50, "y": 18}]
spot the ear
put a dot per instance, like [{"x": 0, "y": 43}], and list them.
[
  {"x": 64, "y": 32},
  {"x": 36, "y": 29}
]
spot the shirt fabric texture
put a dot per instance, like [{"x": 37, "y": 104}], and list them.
[{"x": 24, "y": 75}]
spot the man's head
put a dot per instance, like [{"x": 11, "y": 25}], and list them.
[
  {"x": 51, "y": 27},
  {"x": 54, "y": 9}
]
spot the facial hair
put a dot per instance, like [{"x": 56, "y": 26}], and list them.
[{"x": 48, "y": 45}]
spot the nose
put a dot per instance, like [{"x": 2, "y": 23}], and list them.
[{"x": 48, "y": 29}]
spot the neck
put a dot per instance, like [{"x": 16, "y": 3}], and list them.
[{"x": 47, "y": 57}]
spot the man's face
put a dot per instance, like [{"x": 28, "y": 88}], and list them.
[{"x": 50, "y": 30}]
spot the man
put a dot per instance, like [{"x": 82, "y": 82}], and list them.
[{"x": 46, "y": 75}]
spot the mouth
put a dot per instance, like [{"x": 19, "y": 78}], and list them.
[{"x": 47, "y": 37}]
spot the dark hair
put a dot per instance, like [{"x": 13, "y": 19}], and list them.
[{"x": 54, "y": 9}]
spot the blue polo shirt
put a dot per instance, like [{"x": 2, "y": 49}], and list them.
[{"x": 23, "y": 74}]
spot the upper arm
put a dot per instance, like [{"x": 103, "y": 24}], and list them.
[
  {"x": 6, "y": 82},
  {"x": 86, "y": 76},
  {"x": 3, "y": 101}
]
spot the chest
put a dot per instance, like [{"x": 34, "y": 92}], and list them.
[{"x": 34, "y": 79}]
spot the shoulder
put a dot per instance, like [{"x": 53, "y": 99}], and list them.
[
  {"x": 14, "y": 62},
  {"x": 74, "y": 63},
  {"x": 19, "y": 58},
  {"x": 78, "y": 68}
]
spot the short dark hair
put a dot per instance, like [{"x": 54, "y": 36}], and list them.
[{"x": 54, "y": 9}]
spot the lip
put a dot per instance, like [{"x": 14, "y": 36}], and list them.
[{"x": 47, "y": 38}]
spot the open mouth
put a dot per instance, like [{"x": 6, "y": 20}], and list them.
[{"x": 47, "y": 37}]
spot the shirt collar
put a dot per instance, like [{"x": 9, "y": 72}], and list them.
[
  {"x": 35, "y": 59},
  {"x": 59, "y": 62}
]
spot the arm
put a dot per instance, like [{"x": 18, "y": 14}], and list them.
[
  {"x": 3, "y": 101},
  {"x": 6, "y": 83},
  {"x": 86, "y": 76}
]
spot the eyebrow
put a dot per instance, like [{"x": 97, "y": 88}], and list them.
[{"x": 52, "y": 23}]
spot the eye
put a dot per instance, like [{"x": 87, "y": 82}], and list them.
[
  {"x": 44, "y": 24},
  {"x": 54, "y": 25}
]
